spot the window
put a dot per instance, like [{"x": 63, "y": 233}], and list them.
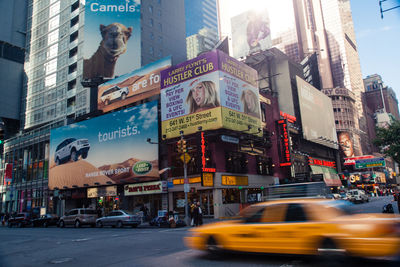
[
  {"x": 151, "y": 9},
  {"x": 151, "y": 23},
  {"x": 295, "y": 213},
  {"x": 255, "y": 216},
  {"x": 230, "y": 195},
  {"x": 236, "y": 162},
  {"x": 264, "y": 165}
]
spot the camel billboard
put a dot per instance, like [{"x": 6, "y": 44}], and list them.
[
  {"x": 109, "y": 149},
  {"x": 112, "y": 38}
]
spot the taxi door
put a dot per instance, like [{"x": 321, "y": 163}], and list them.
[{"x": 296, "y": 231}]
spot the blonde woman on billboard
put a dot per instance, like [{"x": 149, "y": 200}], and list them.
[
  {"x": 202, "y": 95},
  {"x": 250, "y": 103}
]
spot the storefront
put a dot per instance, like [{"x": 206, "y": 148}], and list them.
[
  {"x": 152, "y": 195},
  {"x": 104, "y": 198},
  {"x": 224, "y": 197}
]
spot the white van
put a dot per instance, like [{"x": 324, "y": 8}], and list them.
[{"x": 357, "y": 196}]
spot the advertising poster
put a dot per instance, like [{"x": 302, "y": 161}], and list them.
[
  {"x": 112, "y": 38},
  {"x": 131, "y": 87},
  {"x": 250, "y": 33},
  {"x": 212, "y": 91},
  {"x": 109, "y": 149},
  {"x": 346, "y": 144},
  {"x": 317, "y": 116}
]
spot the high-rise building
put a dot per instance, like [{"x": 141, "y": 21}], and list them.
[
  {"x": 326, "y": 26},
  {"x": 12, "y": 47},
  {"x": 52, "y": 93},
  {"x": 380, "y": 98},
  {"x": 201, "y": 18}
]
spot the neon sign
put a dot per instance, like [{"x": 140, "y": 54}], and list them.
[
  {"x": 321, "y": 162},
  {"x": 289, "y": 117},
  {"x": 285, "y": 157},
  {"x": 203, "y": 155}
]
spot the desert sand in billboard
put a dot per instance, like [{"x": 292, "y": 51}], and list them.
[
  {"x": 127, "y": 177},
  {"x": 70, "y": 174}
]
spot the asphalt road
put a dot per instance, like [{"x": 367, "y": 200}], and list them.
[{"x": 143, "y": 246}]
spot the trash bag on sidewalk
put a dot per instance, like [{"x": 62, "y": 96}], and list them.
[{"x": 388, "y": 208}]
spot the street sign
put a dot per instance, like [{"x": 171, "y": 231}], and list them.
[
  {"x": 370, "y": 163},
  {"x": 186, "y": 188},
  {"x": 185, "y": 157}
]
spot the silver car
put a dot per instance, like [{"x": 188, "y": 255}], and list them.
[{"x": 119, "y": 218}]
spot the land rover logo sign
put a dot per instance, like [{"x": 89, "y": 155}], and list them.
[{"x": 142, "y": 167}]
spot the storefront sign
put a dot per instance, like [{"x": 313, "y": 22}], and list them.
[
  {"x": 102, "y": 191},
  {"x": 234, "y": 180},
  {"x": 352, "y": 160},
  {"x": 146, "y": 188},
  {"x": 203, "y": 155},
  {"x": 192, "y": 180},
  {"x": 321, "y": 162},
  {"x": 284, "y": 144},
  {"x": 289, "y": 117},
  {"x": 208, "y": 179},
  {"x": 230, "y": 139},
  {"x": 370, "y": 163}
]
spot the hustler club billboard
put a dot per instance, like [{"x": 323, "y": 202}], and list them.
[
  {"x": 109, "y": 149},
  {"x": 212, "y": 91}
]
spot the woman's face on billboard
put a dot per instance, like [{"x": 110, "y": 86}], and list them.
[
  {"x": 249, "y": 100},
  {"x": 198, "y": 93}
]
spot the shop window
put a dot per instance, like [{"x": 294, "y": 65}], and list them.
[
  {"x": 264, "y": 165},
  {"x": 230, "y": 196},
  {"x": 236, "y": 162}
]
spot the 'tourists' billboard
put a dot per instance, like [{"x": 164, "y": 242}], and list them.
[
  {"x": 250, "y": 33},
  {"x": 112, "y": 38},
  {"x": 109, "y": 149},
  {"x": 212, "y": 91},
  {"x": 131, "y": 87}
]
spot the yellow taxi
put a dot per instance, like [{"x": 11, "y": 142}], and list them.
[{"x": 302, "y": 226}]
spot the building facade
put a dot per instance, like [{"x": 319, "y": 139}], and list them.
[
  {"x": 53, "y": 95},
  {"x": 202, "y": 33}
]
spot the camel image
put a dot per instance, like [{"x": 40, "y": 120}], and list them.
[{"x": 113, "y": 44}]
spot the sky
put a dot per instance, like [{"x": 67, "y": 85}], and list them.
[{"x": 377, "y": 39}]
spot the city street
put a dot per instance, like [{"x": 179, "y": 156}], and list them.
[{"x": 143, "y": 246}]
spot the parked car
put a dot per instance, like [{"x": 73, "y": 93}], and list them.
[
  {"x": 302, "y": 227},
  {"x": 357, "y": 196},
  {"x": 71, "y": 149},
  {"x": 20, "y": 219},
  {"x": 46, "y": 220},
  {"x": 79, "y": 217},
  {"x": 114, "y": 93},
  {"x": 119, "y": 218}
]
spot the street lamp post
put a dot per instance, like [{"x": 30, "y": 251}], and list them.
[{"x": 185, "y": 184}]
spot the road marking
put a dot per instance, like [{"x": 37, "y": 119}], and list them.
[
  {"x": 58, "y": 261},
  {"x": 80, "y": 240}
]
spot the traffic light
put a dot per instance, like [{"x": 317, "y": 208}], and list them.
[{"x": 183, "y": 146}]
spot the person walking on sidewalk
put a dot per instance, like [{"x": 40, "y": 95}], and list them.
[{"x": 198, "y": 215}]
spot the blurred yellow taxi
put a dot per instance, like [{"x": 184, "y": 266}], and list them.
[{"x": 302, "y": 226}]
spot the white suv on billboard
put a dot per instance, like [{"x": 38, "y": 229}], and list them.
[
  {"x": 114, "y": 93},
  {"x": 71, "y": 149}
]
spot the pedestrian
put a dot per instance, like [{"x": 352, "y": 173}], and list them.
[
  {"x": 198, "y": 215},
  {"x": 398, "y": 202}
]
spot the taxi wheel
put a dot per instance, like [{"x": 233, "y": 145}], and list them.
[
  {"x": 212, "y": 246},
  {"x": 328, "y": 247}
]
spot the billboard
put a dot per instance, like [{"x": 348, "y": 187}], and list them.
[
  {"x": 250, "y": 32},
  {"x": 212, "y": 91},
  {"x": 109, "y": 149},
  {"x": 346, "y": 144},
  {"x": 317, "y": 117},
  {"x": 131, "y": 87},
  {"x": 112, "y": 38}
]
